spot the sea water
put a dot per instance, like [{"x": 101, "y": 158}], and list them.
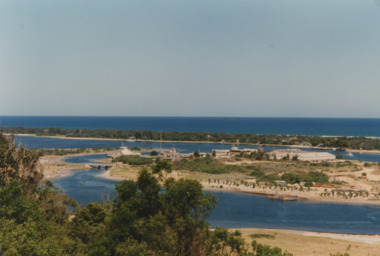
[{"x": 368, "y": 127}]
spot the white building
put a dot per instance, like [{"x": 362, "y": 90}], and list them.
[{"x": 302, "y": 155}]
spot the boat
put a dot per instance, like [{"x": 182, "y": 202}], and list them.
[
  {"x": 125, "y": 151},
  {"x": 283, "y": 198},
  {"x": 131, "y": 139},
  {"x": 349, "y": 154}
]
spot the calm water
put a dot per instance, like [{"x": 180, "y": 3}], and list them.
[
  {"x": 242, "y": 210},
  {"x": 37, "y": 142},
  {"x": 84, "y": 185},
  {"x": 235, "y": 210},
  {"x": 301, "y": 126}
]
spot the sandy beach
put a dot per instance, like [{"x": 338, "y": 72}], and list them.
[
  {"x": 301, "y": 243},
  {"x": 54, "y": 167},
  {"x": 313, "y": 195}
]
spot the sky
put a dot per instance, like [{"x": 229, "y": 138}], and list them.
[{"x": 243, "y": 58}]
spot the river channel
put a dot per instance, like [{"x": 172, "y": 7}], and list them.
[{"x": 235, "y": 210}]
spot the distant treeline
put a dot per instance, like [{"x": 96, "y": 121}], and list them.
[{"x": 337, "y": 142}]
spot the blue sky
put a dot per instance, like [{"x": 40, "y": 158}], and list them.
[{"x": 275, "y": 58}]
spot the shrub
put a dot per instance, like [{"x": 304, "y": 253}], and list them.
[{"x": 133, "y": 160}]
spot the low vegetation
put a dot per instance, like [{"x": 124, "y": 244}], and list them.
[
  {"x": 133, "y": 160},
  {"x": 262, "y": 236},
  {"x": 292, "y": 178},
  {"x": 207, "y": 165},
  {"x": 68, "y": 151}
]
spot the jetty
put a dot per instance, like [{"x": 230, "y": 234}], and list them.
[{"x": 98, "y": 166}]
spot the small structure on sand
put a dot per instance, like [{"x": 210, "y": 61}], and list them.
[
  {"x": 220, "y": 153},
  {"x": 125, "y": 151}
]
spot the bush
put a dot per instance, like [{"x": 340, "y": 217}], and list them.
[
  {"x": 207, "y": 165},
  {"x": 133, "y": 160},
  {"x": 257, "y": 173},
  {"x": 196, "y": 154},
  {"x": 310, "y": 177},
  {"x": 262, "y": 236}
]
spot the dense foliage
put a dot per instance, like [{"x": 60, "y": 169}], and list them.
[
  {"x": 337, "y": 142},
  {"x": 18, "y": 164}
]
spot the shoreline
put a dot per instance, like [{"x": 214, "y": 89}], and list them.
[
  {"x": 361, "y": 238},
  {"x": 200, "y": 142},
  {"x": 64, "y": 172},
  {"x": 334, "y": 235},
  {"x": 303, "y": 198},
  {"x": 60, "y": 169},
  {"x": 53, "y": 166},
  {"x": 106, "y": 175}
]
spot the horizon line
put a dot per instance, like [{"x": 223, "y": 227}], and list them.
[{"x": 148, "y": 116}]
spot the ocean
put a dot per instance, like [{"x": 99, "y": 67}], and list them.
[{"x": 367, "y": 127}]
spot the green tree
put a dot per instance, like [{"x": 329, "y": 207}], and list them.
[
  {"x": 19, "y": 164},
  {"x": 162, "y": 165},
  {"x": 187, "y": 209},
  {"x": 88, "y": 222}
]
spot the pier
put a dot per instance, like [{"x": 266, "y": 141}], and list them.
[{"x": 98, "y": 166}]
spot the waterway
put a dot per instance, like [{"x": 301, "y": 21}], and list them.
[
  {"x": 33, "y": 142},
  {"x": 235, "y": 210}
]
